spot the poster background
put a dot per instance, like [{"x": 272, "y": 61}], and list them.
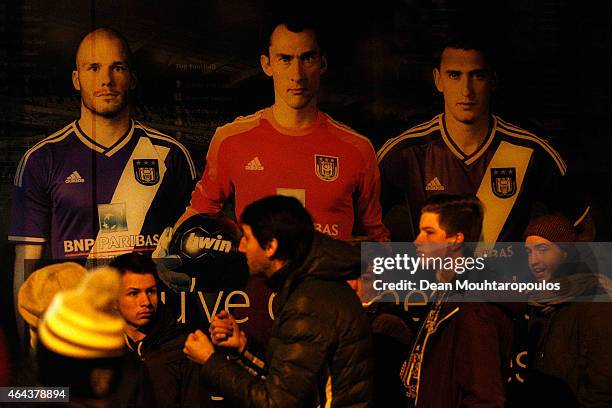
[{"x": 198, "y": 68}]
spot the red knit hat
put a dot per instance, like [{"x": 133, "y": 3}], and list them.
[{"x": 553, "y": 227}]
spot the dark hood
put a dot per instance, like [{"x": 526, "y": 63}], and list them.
[{"x": 328, "y": 259}]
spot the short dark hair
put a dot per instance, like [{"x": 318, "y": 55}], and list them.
[
  {"x": 134, "y": 262},
  {"x": 285, "y": 219},
  {"x": 467, "y": 38},
  {"x": 296, "y": 22},
  {"x": 457, "y": 213}
]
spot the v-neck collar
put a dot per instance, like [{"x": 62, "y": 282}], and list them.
[
  {"x": 465, "y": 158},
  {"x": 107, "y": 151}
]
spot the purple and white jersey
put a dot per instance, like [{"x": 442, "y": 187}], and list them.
[
  {"x": 87, "y": 200},
  {"x": 512, "y": 172}
]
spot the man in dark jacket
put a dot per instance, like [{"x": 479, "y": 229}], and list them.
[
  {"x": 459, "y": 355},
  {"x": 569, "y": 360},
  {"x": 152, "y": 334},
  {"x": 320, "y": 346}
]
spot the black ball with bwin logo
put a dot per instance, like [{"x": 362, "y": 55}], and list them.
[{"x": 208, "y": 249}]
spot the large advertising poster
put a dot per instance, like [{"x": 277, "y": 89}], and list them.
[{"x": 197, "y": 66}]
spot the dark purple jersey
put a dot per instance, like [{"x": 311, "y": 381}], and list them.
[
  {"x": 86, "y": 200},
  {"x": 511, "y": 172}
]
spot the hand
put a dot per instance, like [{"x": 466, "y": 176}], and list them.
[
  {"x": 167, "y": 264},
  {"x": 225, "y": 332},
  {"x": 198, "y": 347}
]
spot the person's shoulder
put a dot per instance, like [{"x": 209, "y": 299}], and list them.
[
  {"x": 311, "y": 291},
  {"x": 356, "y": 142},
  {"x": 48, "y": 142},
  {"x": 516, "y": 135},
  {"x": 157, "y": 137},
  {"x": 240, "y": 125},
  {"x": 326, "y": 304},
  {"x": 166, "y": 352},
  {"x": 165, "y": 337},
  {"x": 307, "y": 303},
  {"x": 482, "y": 313},
  {"x": 414, "y": 136},
  {"x": 346, "y": 133},
  {"x": 41, "y": 149},
  {"x": 321, "y": 293},
  {"x": 329, "y": 305},
  {"x": 592, "y": 310},
  {"x": 161, "y": 139}
]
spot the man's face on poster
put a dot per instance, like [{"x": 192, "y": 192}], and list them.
[
  {"x": 295, "y": 64},
  {"x": 103, "y": 75},
  {"x": 467, "y": 83}
]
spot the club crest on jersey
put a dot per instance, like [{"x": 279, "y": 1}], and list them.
[
  {"x": 503, "y": 182},
  {"x": 146, "y": 171},
  {"x": 327, "y": 168}
]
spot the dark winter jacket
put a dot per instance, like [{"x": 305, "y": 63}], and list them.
[
  {"x": 391, "y": 338},
  {"x": 570, "y": 339},
  {"x": 465, "y": 357},
  {"x": 175, "y": 378},
  {"x": 320, "y": 348}
]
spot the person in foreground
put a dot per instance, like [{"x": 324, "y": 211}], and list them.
[
  {"x": 459, "y": 355},
  {"x": 320, "y": 346},
  {"x": 569, "y": 360},
  {"x": 152, "y": 334},
  {"x": 80, "y": 346}
]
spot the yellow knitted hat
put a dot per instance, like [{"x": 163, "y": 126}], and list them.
[
  {"x": 84, "y": 322},
  {"x": 42, "y": 285}
]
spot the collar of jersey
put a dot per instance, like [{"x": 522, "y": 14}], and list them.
[
  {"x": 107, "y": 151},
  {"x": 465, "y": 158},
  {"x": 269, "y": 117}
]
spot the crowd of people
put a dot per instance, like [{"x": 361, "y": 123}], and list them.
[{"x": 302, "y": 186}]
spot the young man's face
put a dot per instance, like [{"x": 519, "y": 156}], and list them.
[
  {"x": 257, "y": 257},
  {"x": 467, "y": 82},
  {"x": 545, "y": 257},
  {"x": 103, "y": 76},
  {"x": 433, "y": 241},
  {"x": 137, "y": 298},
  {"x": 295, "y": 64}
]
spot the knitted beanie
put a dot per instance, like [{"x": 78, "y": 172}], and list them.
[
  {"x": 554, "y": 227},
  {"x": 42, "y": 285},
  {"x": 84, "y": 323}
]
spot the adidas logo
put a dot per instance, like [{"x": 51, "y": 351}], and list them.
[
  {"x": 254, "y": 164},
  {"x": 434, "y": 185},
  {"x": 75, "y": 177}
]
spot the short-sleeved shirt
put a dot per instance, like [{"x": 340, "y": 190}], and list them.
[
  {"x": 87, "y": 200},
  {"x": 329, "y": 167},
  {"x": 511, "y": 171}
]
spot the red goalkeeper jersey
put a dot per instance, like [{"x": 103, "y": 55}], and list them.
[{"x": 329, "y": 167}]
